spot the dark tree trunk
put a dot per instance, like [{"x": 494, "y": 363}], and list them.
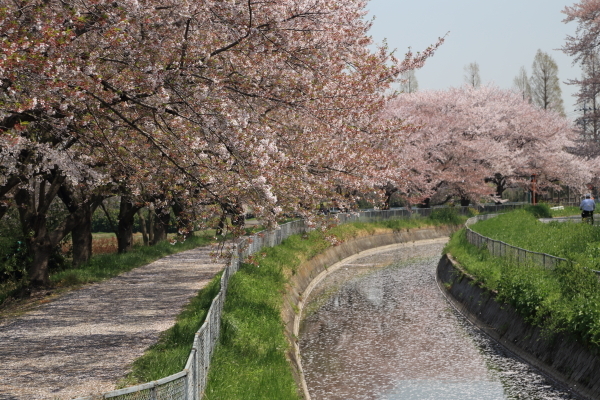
[
  {"x": 150, "y": 226},
  {"x": 389, "y": 191},
  {"x": 464, "y": 202},
  {"x": 387, "y": 201},
  {"x": 500, "y": 181},
  {"x": 143, "y": 227},
  {"x": 82, "y": 209},
  {"x": 238, "y": 218},
  {"x": 500, "y": 186},
  {"x": 33, "y": 204},
  {"x": 35, "y": 230},
  {"x": 222, "y": 224},
  {"x": 41, "y": 248},
  {"x": 38, "y": 244},
  {"x": 124, "y": 235},
  {"x": 82, "y": 237},
  {"x": 236, "y": 211},
  {"x": 184, "y": 222},
  {"x": 161, "y": 224},
  {"x": 127, "y": 211}
]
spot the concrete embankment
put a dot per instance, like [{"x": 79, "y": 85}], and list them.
[
  {"x": 308, "y": 272},
  {"x": 557, "y": 355}
]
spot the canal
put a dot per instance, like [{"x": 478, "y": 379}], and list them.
[{"x": 378, "y": 328}]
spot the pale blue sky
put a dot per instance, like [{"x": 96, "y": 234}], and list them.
[{"x": 500, "y": 35}]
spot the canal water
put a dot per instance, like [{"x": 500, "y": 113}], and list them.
[{"x": 379, "y": 329}]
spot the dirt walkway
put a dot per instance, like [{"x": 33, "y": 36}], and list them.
[{"x": 84, "y": 342}]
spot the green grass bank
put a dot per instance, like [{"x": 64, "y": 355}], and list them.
[{"x": 565, "y": 299}]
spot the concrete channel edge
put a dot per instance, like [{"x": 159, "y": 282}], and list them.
[{"x": 558, "y": 357}]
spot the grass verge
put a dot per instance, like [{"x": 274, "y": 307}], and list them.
[
  {"x": 567, "y": 211},
  {"x": 565, "y": 299},
  {"x": 104, "y": 266},
  {"x": 575, "y": 241}
]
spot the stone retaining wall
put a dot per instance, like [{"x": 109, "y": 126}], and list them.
[{"x": 557, "y": 355}]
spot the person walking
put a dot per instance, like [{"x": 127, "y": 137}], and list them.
[{"x": 587, "y": 208}]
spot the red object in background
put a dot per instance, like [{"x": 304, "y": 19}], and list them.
[{"x": 533, "y": 189}]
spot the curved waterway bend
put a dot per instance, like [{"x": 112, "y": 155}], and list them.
[{"x": 379, "y": 328}]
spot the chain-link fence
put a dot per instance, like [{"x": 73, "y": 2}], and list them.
[
  {"x": 516, "y": 254},
  {"x": 190, "y": 383},
  {"x": 499, "y": 248},
  {"x": 403, "y": 212}
]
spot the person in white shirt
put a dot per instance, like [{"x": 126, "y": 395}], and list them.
[{"x": 587, "y": 208}]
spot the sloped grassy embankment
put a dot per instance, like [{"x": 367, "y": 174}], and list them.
[
  {"x": 250, "y": 359},
  {"x": 565, "y": 299}
]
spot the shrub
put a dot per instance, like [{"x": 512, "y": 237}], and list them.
[
  {"x": 539, "y": 210},
  {"x": 446, "y": 215},
  {"x": 471, "y": 212},
  {"x": 14, "y": 260}
]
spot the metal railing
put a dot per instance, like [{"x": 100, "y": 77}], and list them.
[
  {"x": 190, "y": 383},
  {"x": 403, "y": 212},
  {"x": 519, "y": 255}
]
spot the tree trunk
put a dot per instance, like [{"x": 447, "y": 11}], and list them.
[
  {"x": 143, "y": 227},
  {"x": 184, "y": 222},
  {"x": 161, "y": 224},
  {"x": 389, "y": 191},
  {"x": 387, "y": 200},
  {"x": 81, "y": 207},
  {"x": 500, "y": 185},
  {"x": 33, "y": 204},
  {"x": 464, "y": 202},
  {"x": 82, "y": 237},
  {"x": 222, "y": 225},
  {"x": 41, "y": 248},
  {"x": 238, "y": 218},
  {"x": 150, "y": 226},
  {"x": 127, "y": 211}
]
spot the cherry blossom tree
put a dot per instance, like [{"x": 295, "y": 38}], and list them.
[
  {"x": 466, "y": 136},
  {"x": 587, "y": 34},
  {"x": 269, "y": 105}
]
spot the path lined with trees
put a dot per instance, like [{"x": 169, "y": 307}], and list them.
[{"x": 85, "y": 342}]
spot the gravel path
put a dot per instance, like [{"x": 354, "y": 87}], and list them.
[{"x": 84, "y": 342}]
